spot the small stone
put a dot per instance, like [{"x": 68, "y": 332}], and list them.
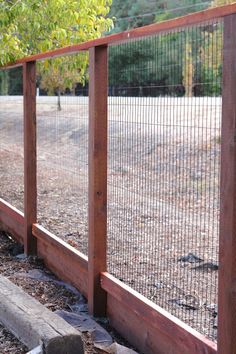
[
  {"x": 190, "y": 258},
  {"x": 215, "y": 322},
  {"x": 189, "y": 302},
  {"x": 209, "y": 266},
  {"x": 21, "y": 256},
  {"x": 213, "y": 308},
  {"x": 159, "y": 285}
]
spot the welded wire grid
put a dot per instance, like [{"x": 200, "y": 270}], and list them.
[
  {"x": 11, "y": 137},
  {"x": 62, "y": 164},
  {"x": 163, "y": 181}
]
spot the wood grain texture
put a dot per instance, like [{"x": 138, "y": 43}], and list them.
[
  {"x": 97, "y": 178},
  {"x": 180, "y": 22},
  {"x": 147, "y": 326},
  {"x": 33, "y": 324},
  {"x": 227, "y": 257},
  {"x": 30, "y": 162},
  {"x": 12, "y": 220},
  {"x": 62, "y": 259}
]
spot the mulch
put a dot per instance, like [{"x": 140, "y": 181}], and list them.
[{"x": 54, "y": 295}]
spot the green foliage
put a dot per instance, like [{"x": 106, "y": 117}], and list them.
[
  {"x": 11, "y": 82},
  {"x": 31, "y": 26},
  {"x": 186, "y": 62},
  {"x": 154, "y": 63}
]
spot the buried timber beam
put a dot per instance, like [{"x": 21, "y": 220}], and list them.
[{"x": 34, "y": 325}]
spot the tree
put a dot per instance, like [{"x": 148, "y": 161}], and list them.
[
  {"x": 31, "y": 26},
  {"x": 132, "y": 13},
  {"x": 159, "y": 61},
  {"x": 4, "y": 82},
  {"x": 188, "y": 70}
]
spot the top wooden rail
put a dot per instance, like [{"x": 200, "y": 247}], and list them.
[{"x": 180, "y": 22}]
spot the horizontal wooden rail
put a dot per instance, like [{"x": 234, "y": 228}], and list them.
[
  {"x": 65, "y": 261},
  {"x": 180, "y": 22},
  {"x": 147, "y": 326},
  {"x": 12, "y": 220}
]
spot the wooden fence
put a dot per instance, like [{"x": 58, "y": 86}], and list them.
[{"x": 150, "y": 328}]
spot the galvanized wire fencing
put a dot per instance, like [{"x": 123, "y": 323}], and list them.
[
  {"x": 11, "y": 137},
  {"x": 62, "y": 145},
  {"x": 163, "y": 182},
  {"x": 165, "y": 141}
]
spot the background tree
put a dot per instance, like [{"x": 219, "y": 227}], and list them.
[
  {"x": 155, "y": 59},
  {"x": 31, "y": 26},
  {"x": 132, "y": 13}
]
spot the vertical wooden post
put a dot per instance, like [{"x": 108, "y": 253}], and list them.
[
  {"x": 97, "y": 178},
  {"x": 30, "y": 186},
  {"x": 227, "y": 269}
]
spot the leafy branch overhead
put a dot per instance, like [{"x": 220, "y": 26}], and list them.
[{"x": 30, "y": 26}]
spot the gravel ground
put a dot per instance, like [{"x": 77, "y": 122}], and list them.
[
  {"x": 9, "y": 344},
  {"x": 163, "y": 185}
]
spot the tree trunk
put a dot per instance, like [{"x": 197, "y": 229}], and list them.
[
  {"x": 188, "y": 70},
  {"x": 4, "y": 83},
  {"x": 59, "y": 100}
]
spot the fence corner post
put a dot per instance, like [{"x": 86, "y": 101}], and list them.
[
  {"x": 227, "y": 256},
  {"x": 97, "y": 178},
  {"x": 30, "y": 175}
]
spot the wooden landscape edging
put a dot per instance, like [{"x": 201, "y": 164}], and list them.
[
  {"x": 34, "y": 324},
  {"x": 147, "y": 326}
]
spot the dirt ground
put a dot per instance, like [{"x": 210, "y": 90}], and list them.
[
  {"x": 163, "y": 192},
  {"x": 55, "y": 295}
]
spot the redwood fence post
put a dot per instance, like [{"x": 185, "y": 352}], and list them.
[
  {"x": 30, "y": 187},
  {"x": 227, "y": 257},
  {"x": 97, "y": 178}
]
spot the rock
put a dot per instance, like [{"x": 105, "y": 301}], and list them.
[
  {"x": 189, "y": 302},
  {"x": 85, "y": 323},
  {"x": 196, "y": 176},
  {"x": 116, "y": 348},
  {"x": 21, "y": 256},
  {"x": 79, "y": 307},
  {"x": 213, "y": 308},
  {"x": 205, "y": 267},
  {"x": 17, "y": 249},
  {"x": 215, "y": 322},
  {"x": 190, "y": 258},
  {"x": 159, "y": 285}
]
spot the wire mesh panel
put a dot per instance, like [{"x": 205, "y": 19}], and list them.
[
  {"x": 164, "y": 150},
  {"x": 11, "y": 137},
  {"x": 62, "y": 145}
]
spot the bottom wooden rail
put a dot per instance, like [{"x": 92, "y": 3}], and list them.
[
  {"x": 65, "y": 261},
  {"x": 62, "y": 259},
  {"x": 147, "y": 326},
  {"x": 12, "y": 220},
  {"x": 144, "y": 324}
]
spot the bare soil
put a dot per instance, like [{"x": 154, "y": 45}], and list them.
[{"x": 163, "y": 192}]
